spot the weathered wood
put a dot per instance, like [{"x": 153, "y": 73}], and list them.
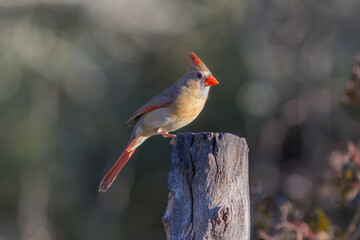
[{"x": 209, "y": 188}]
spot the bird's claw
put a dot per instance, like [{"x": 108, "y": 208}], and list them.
[
  {"x": 166, "y": 134},
  {"x": 173, "y": 140}
]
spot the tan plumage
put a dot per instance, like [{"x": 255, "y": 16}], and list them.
[{"x": 168, "y": 111}]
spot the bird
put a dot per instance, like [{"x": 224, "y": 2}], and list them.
[{"x": 171, "y": 109}]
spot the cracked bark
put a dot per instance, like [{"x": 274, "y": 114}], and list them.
[{"x": 208, "y": 188}]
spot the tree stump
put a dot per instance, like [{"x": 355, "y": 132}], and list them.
[{"x": 209, "y": 188}]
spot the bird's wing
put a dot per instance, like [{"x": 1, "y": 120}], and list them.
[{"x": 161, "y": 100}]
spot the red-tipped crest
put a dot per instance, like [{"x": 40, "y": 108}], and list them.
[
  {"x": 196, "y": 63},
  {"x": 195, "y": 59}
]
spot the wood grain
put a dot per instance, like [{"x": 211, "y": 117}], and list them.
[{"x": 208, "y": 188}]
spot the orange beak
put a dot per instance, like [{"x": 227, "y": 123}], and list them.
[{"x": 210, "y": 80}]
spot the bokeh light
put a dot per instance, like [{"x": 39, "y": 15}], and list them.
[{"x": 72, "y": 72}]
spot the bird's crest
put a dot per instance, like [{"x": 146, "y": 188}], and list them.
[{"x": 197, "y": 64}]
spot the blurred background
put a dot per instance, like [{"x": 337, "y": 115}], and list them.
[{"x": 72, "y": 72}]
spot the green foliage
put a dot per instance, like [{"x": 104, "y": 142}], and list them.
[{"x": 72, "y": 72}]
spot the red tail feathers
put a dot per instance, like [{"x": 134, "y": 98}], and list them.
[{"x": 115, "y": 170}]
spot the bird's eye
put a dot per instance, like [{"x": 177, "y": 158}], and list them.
[{"x": 199, "y": 75}]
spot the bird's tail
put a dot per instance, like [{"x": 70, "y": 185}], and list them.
[{"x": 120, "y": 163}]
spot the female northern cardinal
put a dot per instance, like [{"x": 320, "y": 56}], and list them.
[{"x": 168, "y": 111}]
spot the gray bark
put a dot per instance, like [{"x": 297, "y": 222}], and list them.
[{"x": 208, "y": 188}]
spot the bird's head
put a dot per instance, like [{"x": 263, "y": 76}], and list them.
[{"x": 201, "y": 75}]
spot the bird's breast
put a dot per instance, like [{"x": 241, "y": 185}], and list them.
[
  {"x": 180, "y": 113},
  {"x": 186, "y": 108}
]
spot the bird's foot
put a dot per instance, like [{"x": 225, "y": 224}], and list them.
[
  {"x": 173, "y": 136},
  {"x": 173, "y": 140}
]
